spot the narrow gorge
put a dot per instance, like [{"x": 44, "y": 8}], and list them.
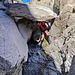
[{"x": 17, "y": 57}]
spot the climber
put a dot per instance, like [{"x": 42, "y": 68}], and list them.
[{"x": 45, "y": 27}]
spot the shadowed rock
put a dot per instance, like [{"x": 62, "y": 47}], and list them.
[
  {"x": 39, "y": 63},
  {"x": 2, "y": 7}
]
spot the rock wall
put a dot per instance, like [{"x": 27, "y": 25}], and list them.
[
  {"x": 13, "y": 45},
  {"x": 61, "y": 48},
  {"x": 62, "y": 33},
  {"x": 63, "y": 38}
]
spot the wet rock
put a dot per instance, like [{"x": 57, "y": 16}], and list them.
[{"x": 39, "y": 63}]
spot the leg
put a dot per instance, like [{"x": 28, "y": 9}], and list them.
[
  {"x": 42, "y": 38},
  {"x": 47, "y": 36}
]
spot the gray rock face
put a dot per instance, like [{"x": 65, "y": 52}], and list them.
[
  {"x": 65, "y": 2},
  {"x": 17, "y": 1},
  {"x": 13, "y": 47}
]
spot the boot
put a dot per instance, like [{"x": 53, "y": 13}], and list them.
[
  {"x": 40, "y": 43},
  {"x": 48, "y": 39}
]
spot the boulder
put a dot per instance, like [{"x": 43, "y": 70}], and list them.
[
  {"x": 62, "y": 49},
  {"x": 13, "y": 47},
  {"x": 32, "y": 12}
]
